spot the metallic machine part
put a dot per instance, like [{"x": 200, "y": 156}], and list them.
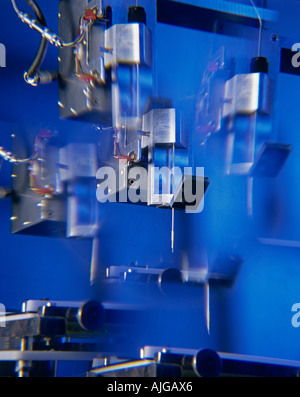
[
  {"x": 128, "y": 56},
  {"x": 157, "y": 164},
  {"x": 48, "y": 318},
  {"x": 247, "y": 94},
  {"x": 34, "y": 215},
  {"x": 83, "y": 92},
  {"x": 127, "y": 50},
  {"x": 166, "y": 143},
  {"x": 228, "y": 364},
  {"x": 77, "y": 160},
  {"x": 131, "y": 86},
  {"x": 37, "y": 207},
  {"x": 270, "y": 159},
  {"x": 54, "y": 194},
  {"x": 165, "y": 279},
  {"x": 205, "y": 363},
  {"x": 223, "y": 273},
  {"x": 129, "y": 44},
  {"x": 82, "y": 208},
  {"x": 164, "y": 127},
  {"x": 47, "y": 331},
  {"x": 78, "y": 167},
  {"x": 30, "y": 325},
  {"x": 139, "y": 368},
  {"x": 90, "y": 316},
  {"x": 248, "y": 105}
]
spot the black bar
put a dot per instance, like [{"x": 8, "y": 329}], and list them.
[
  {"x": 257, "y": 369},
  {"x": 286, "y": 65},
  {"x": 198, "y": 18}
]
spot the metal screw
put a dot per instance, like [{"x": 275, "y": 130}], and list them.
[{"x": 131, "y": 181}]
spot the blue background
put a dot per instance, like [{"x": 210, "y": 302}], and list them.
[{"x": 254, "y": 316}]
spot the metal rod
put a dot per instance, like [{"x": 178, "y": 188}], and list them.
[
  {"x": 250, "y": 196},
  {"x": 173, "y": 210},
  {"x": 207, "y": 306},
  {"x": 252, "y": 132},
  {"x": 206, "y": 362},
  {"x": 94, "y": 260}
]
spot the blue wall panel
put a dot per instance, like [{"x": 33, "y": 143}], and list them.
[{"x": 252, "y": 317}]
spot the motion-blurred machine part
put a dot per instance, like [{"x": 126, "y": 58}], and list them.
[
  {"x": 47, "y": 331},
  {"x": 84, "y": 92},
  {"x": 226, "y": 364},
  {"x": 248, "y": 108},
  {"x": 54, "y": 192}
]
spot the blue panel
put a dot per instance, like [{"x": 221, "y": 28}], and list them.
[{"x": 254, "y": 315}]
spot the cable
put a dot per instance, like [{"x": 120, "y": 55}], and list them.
[
  {"x": 80, "y": 36},
  {"x": 89, "y": 16},
  {"x": 5, "y": 155},
  {"x": 31, "y": 76},
  {"x": 260, "y": 26},
  {"x": 8, "y": 156},
  {"x": 15, "y": 6}
]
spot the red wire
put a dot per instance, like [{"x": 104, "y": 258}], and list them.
[
  {"x": 117, "y": 156},
  {"x": 90, "y": 14}
]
